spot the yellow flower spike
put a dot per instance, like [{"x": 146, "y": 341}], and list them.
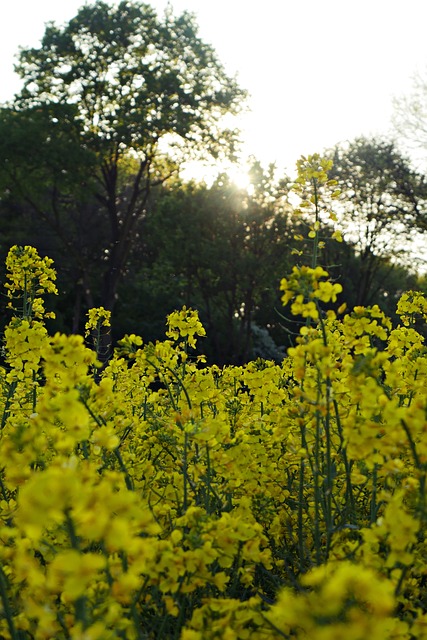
[
  {"x": 71, "y": 572},
  {"x": 304, "y": 287},
  {"x": 124, "y": 587},
  {"x": 313, "y": 167},
  {"x": 106, "y": 438},
  {"x": 98, "y": 317},
  {"x": 29, "y": 277},
  {"x": 129, "y": 346},
  {"x": 337, "y": 235},
  {"x": 185, "y": 324},
  {"x": 25, "y": 341},
  {"x": 412, "y": 306}
]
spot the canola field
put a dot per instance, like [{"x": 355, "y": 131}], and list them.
[{"x": 159, "y": 498}]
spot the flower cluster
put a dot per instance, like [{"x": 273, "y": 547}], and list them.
[
  {"x": 29, "y": 277},
  {"x": 306, "y": 287},
  {"x": 97, "y": 317},
  {"x": 185, "y": 324},
  {"x": 316, "y": 192},
  {"x": 412, "y": 306}
]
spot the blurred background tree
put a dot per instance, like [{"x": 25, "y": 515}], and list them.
[
  {"x": 109, "y": 103},
  {"x": 221, "y": 250},
  {"x": 381, "y": 211},
  {"x": 410, "y": 118}
]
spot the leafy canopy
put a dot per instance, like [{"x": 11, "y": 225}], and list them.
[{"x": 134, "y": 77}]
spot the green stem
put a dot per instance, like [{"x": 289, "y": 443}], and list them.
[
  {"x": 374, "y": 495},
  {"x": 185, "y": 473},
  {"x": 128, "y": 479},
  {"x": 420, "y": 467},
  {"x": 80, "y": 605},
  {"x": 316, "y": 237},
  {"x": 329, "y": 466},
  {"x": 10, "y": 394},
  {"x": 7, "y": 611},
  {"x": 75, "y": 544},
  {"x": 347, "y": 465},
  {"x": 300, "y": 516}
]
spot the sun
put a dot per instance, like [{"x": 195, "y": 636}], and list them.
[{"x": 207, "y": 173}]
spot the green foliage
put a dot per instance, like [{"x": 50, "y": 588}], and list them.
[
  {"x": 42, "y": 154},
  {"x": 221, "y": 251},
  {"x": 108, "y": 101},
  {"x": 380, "y": 207},
  {"x": 133, "y": 78}
]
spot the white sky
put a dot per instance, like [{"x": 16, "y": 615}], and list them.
[{"x": 318, "y": 71}]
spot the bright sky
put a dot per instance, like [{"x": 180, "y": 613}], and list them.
[{"x": 318, "y": 71}]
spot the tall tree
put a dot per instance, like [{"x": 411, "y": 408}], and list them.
[
  {"x": 382, "y": 206},
  {"x": 410, "y": 118},
  {"x": 139, "y": 89}
]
